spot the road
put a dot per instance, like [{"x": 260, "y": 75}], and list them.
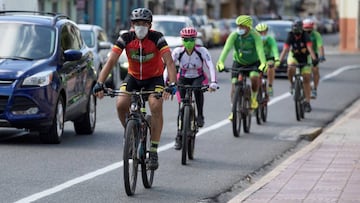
[{"x": 89, "y": 168}]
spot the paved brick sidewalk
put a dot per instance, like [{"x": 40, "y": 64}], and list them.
[{"x": 325, "y": 171}]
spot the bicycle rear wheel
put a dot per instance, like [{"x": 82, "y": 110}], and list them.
[
  {"x": 247, "y": 109},
  {"x": 129, "y": 157},
  {"x": 146, "y": 173},
  {"x": 236, "y": 111},
  {"x": 186, "y": 130},
  {"x": 302, "y": 99},
  {"x": 192, "y": 135}
]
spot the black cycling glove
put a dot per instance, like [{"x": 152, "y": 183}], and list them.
[
  {"x": 171, "y": 88},
  {"x": 98, "y": 87},
  {"x": 315, "y": 62}
]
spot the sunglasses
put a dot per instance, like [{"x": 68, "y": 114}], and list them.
[{"x": 189, "y": 39}]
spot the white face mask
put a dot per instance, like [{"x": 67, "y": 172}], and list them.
[
  {"x": 240, "y": 31},
  {"x": 141, "y": 31}
]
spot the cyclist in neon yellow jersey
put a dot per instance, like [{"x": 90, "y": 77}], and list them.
[
  {"x": 248, "y": 51},
  {"x": 271, "y": 54},
  {"x": 318, "y": 47}
]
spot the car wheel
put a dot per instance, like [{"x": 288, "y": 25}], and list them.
[
  {"x": 53, "y": 134},
  {"x": 85, "y": 124}
]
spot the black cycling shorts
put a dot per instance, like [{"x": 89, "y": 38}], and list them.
[
  {"x": 243, "y": 69},
  {"x": 152, "y": 84}
]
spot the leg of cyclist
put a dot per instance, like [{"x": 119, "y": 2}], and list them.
[
  {"x": 254, "y": 77},
  {"x": 291, "y": 61},
  {"x": 199, "y": 98},
  {"x": 306, "y": 73},
  {"x": 156, "y": 108},
  {"x": 233, "y": 79},
  {"x": 270, "y": 77},
  {"x": 316, "y": 78},
  {"x": 123, "y": 101}
]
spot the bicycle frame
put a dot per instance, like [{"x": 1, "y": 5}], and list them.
[
  {"x": 136, "y": 139},
  {"x": 187, "y": 124},
  {"x": 241, "y": 104},
  {"x": 299, "y": 95}
]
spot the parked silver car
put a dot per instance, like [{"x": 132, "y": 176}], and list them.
[{"x": 97, "y": 40}]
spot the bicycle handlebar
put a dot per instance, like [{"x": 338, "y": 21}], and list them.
[
  {"x": 299, "y": 65},
  {"x": 112, "y": 93},
  {"x": 203, "y": 88}
]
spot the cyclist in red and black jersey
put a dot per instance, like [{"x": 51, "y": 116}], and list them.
[
  {"x": 147, "y": 51},
  {"x": 301, "y": 48}
]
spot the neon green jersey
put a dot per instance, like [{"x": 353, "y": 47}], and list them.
[
  {"x": 270, "y": 48},
  {"x": 248, "y": 49},
  {"x": 316, "y": 40}
]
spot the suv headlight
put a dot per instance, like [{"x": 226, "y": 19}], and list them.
[{"x": 39, "y": 79}]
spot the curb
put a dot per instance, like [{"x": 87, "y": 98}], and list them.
[{"x": 312, "y": 135}]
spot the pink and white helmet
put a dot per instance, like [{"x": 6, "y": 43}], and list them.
[{"x": 188, "y": 32}]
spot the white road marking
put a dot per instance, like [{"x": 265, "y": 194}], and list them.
[{"x": 165, "y": 147}]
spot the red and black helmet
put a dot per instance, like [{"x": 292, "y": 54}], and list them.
[
  {"x": 188, "y": 32},
  {"x": 308, "y": 24}
]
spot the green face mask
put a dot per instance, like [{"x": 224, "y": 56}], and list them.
[{"x": 189, "y": 45}]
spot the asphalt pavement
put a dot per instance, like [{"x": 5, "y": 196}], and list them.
[{"x": 326, "y": 170}]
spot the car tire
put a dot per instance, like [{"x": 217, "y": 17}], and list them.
[
  {"x": 53, "y": 133},
  {"x": 85, "y": 124}
]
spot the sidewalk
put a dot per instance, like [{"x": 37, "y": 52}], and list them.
[{"x": 325, "y": 171}]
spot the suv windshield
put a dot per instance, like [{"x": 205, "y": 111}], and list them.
[
  {"x": 26, "y": 41},
  {"x": 169, "y": 28}
]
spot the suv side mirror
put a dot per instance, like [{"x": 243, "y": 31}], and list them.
[{"x": 72, "y": 55}]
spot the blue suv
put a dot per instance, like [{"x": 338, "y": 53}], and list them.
[{"x": 46, "y": 75}]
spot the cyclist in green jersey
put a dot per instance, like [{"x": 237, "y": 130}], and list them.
[
  {"x": 248, "y": 51},
  {"x": 318, "y": 47},
  {"x": 271, "y": 54}
]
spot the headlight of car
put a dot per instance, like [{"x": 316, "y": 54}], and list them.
[{"x": 39, "y": 79}]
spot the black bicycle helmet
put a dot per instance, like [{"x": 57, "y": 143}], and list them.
[
  {"x": 141, "y": 14},
  {"x": 297, "y": 27}
]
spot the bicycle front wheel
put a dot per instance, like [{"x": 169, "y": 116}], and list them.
[
  {"x": 297, "y": 100},
  {"x": 236, "y": 111},
  {"x": 247, "y": 109},
  {"x": 186, "y": 130},
  {"x": 130, "y": 158},
  {"x": 146, "y": 174},
  {"x": 192, "y": 135}
]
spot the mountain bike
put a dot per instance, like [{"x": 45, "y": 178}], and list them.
[
  {"x": 262, "y": 98},
  {"x": 187, "y": 121},
  {"x": 136, "y": 139},
  {"x": 241, "y": 104},
  {"x": 298, "y": 93}
]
